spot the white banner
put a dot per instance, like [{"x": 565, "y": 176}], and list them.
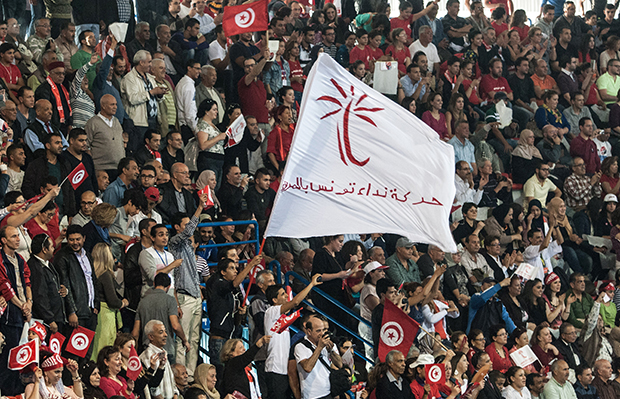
[
  {"x": 360, "y": 163},
  {"x": 523, "y": 357},
  {"x": 235, "y": 132}
]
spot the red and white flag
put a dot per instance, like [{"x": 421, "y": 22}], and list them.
[
  {"x": 80, "y": 341},
  {"x": 235, "y": 132},
  {"x": 207, "y": 190},
  {"x": 134, "y": 365},
  {"x": 285, "y": 322},
  {"x": 249, "y": 17},
  {"x": 355, "y": 153},
  {"x": 56, "y": 341},
  {"x": 78, "y": 176},
  {"x": 21, "y": 356},
  {"x": 398, "y": 331},
  {"x": 435, "y": 378}
]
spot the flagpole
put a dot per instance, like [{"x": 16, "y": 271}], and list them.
[{"x": 433, "y": 337}]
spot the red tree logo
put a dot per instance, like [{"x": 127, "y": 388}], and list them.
[{"x": 350, "y": 107}]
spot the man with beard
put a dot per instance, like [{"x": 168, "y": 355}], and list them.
[{"x": 82, "y": 57}]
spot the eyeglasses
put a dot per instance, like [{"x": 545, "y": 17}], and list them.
[
  {"x": 151, "y": 176},
  {"x": 91, "y": 203}
]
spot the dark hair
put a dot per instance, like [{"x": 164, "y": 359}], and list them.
[
  {"x": 116, "y": 59},
  {"x": 51, "y": 180},
  {"x": 511, "y": 372},
  {"x": 529, "y": 380},
  {"x": 383, "y": 285},
  {"x": 581, "y": 368},
  {"x": 583, "y": 121},
  {"x": 472, "y": 34},
  {"x": 327, "y": 28},
  {"x": 82, "y": 35},
  {"x": 495, "y": 329},
  {"x": 585, "y": 44},
  {"x": 156, "y": 227},
  {"x": 22, "y": 90},
  {"x": 475, "y": 359},
  {"x": 520, "y": 60},
  {"x": 144, "y": 224},
  {"x": 104, "y": 354},
  {"x": 149, "y": 167},
  {"x": 548, "y": 7},
  {"x": 205, "y": 107},
  {"x": 190, "y": 23},
  {"x": 124, "y": 164},
  {"x": 467, "y": 206},
  {"x": 38, "y": 242},
  {"x": 12, "y": 196},
  {"x": 223, "y": 264},
  {"x": 7, "y": 47},
  {"x": 498, "y": 13},
  {"x": 161, "y": 279},
  {"x": 275, "y": 20},
  {"x": 12, "y": 149},
  {"x": 75, "y": 229},
  {"x": 272, "y": 293},
  {"x": 453, "y": 59},
  {"x": 137, "y": 198},
  {"x": 261, "y": 172},
  {"x": 177, "y": 219},
  {"x": 283, "y": 12},
  {"x": 47, "y": 139},
  {"x": 76, "y": 132},
  {"x": 148, "y": 135},
  {"x": 494, "y": 59},
  {"x": 193, "y": 392}
]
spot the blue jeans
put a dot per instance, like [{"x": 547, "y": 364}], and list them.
[
  {"x": 577, "y": 259},
  {"x": 80, "y": 28}
]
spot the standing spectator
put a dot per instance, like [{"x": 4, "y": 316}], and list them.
[
  {"x": 252, "y": 93},
  {"x": 9, "y": 72},
  {"x": 38, "y": 42},
  {"x": 25, "y": 109},
  {"x": 76, "y": 154},
  {"x": 455, "y": 27},
  {"x": 105, "y": 84},
  {"x": 173, "y": 152},
  {"x": 328, "y": 34},
  {"x": 105, "y": 137},
  {"x": 87, "y": 201},
  {"x": 310, "y": 355},
  {"x": 219, "y": 57},
  {"x": 76, "y": 272},
  {"x": 46, "y": 289},
  {"x": 567, "y": 80},
  {"x": 279, "y": 72},
  {"x": 86, "y": 55},
  {"x": 187, "y": 284},
  {"x": 17, "y": 160},
  {"x": 280, "y": 138},
  {"x": 251, "y": 140},
  {"x": 35, "y": 133},
  {"x": 140, "y": 95},
  {"x": 185, "y": 95},
  {"x": 230, "y": 193},
  {"x": 65, "y": 42},
  {"x": 260, "y": 196},
  {"x": 175, "y": 197},
  {"x": 577, "y": 25},
  {"x": 141, "y": 41},
  {"x": 156, "y": 260},
  {"x": 605, "y": 387},
  {"x": 82, "y": 104},
  {"x": 53, "y": 91},
  {"x": 149, "y": 151},
  {"x": 206, "y": 90},
  {"x": 173, "y": 54},
  {"x": 583, "y": 386},
  {"x": 166, "y": 109},
  {"x": 127, "y": 173}
]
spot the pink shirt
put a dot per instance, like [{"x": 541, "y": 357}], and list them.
[{"x": 439, "y": 126}]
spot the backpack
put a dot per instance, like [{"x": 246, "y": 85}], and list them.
[{"x": 488, "y": 315}]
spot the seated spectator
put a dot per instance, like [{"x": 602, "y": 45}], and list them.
[
  {"x": 474, "y": 262},
  {"x": 469, "y": 225},
  {"x": 544, "y": 350},
  {"x": 539, "y": 186},
  {"x": 579, "y": 188},
  {"x": 260, "y": 196},
  {"x": 499, "y": 225},
  {"x": 399, "y": 51},
  {"x": 549, "y": 114},
  {"x": 455, "y": 27},
  {"x": 414, "y": 85},
  {"x": 486, "y": 310},
  {"x": 343, "y": 54},
  {"x": 583, "y": 146},
  {"x": 610, "y": 181},
  {"x": 568, "y": 348},
  {"x": 539, "y": 253},
  {"x": 608, "y": 83},
  {"x": 583, "y": 386},
  {"x": 494, "y": 189},
  {"x": 463, "y": 148},
  {"x": 435, "y": 118},
  {"x": 494, "y": 82},
  {"x": 175, "y": 197},
  {"x": 525, "y": 157},
  {"x": 575, "y": 112},
  {"x": 604, "y": 224},
  {"x": 497, "y": 350},
  {"x": 402, "y": 264}
]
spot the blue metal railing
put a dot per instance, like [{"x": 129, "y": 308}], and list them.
[{"x": 330, "y": 318}]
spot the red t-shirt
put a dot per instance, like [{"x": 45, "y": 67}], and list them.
[
  {"x": 279, "y": 142},
  {"x": 592, "y": 99},
  {"x": 499, "y": 28},
  {"x": 400, "y": 23},
  {"x": 473, "y": 98},
  {"x": 488, "y": 84},
  {"x": 375, "y": 54},
  {"x": 364, "y": 55},
  {"x": 296, "y": 72},
  {"x": 522, "y": 31},
  {"x": 399, "y": 56},
  {"x": 253, "y": 98},
  {"x": 10, "y": 74}
]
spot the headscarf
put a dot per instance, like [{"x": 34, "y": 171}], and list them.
[
  {"x": 202, "y": 182},
  {"x": 523, "y": 149},
  {"x": 538, "y": 223},
  {"x": 500, "y": 213},
  {"x": 200, "y": 380},
  {"x": 90, "y": 392},
  {"x": 553, "y": 207}
]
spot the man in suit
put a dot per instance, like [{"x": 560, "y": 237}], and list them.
[
  {"x": 77, "y": 274},
  {"x": 175, "y": 198},
  {"x": 492, "y": 254},
  {"x": 567, "y": 347},
  {"x": 392, "y": 385}
]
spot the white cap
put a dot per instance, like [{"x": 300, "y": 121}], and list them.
[
  {"x": 610, "y": 198},
  {"x": 422, "y": 360},
  {"x": 374, "y": 265}
]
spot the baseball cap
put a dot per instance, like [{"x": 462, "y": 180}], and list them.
[
  {"x": 152, "y": 194},
  {"x": 374, "y": 265},
  {"x": 422, "y": 360},
  {"x": 404, "y": 243},
  {"x": 205, "y": 218},
  {"x": 489, "y": 280},
  {"x": 610, "y": 198}
]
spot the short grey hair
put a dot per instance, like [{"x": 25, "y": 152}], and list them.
[
  {"x": 150, "y": 326},
  {"x": 160, "y": 27},
  {"x": 157, "y": 61},
  {"x": 389, "y": 358},
  {"x": 141, "y": 55},
  {"x": 423, "y": 29},
  {"x": 262, "y": 275},
  {"x": 139, "y": 26},
  {"x": 372, "y": 250},
  {"x": 206, "y": 68}
]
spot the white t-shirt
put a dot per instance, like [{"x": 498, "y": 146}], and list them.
[
  {"x": 430, "y": 51},
  {"x": 314, "y": 384},
  {"x": 279, "y": 346},
  {"x": 217, "y": 52},
  {"x": 535, "y": 257},
  {"x": 150, "y": 261},
  {"x": 184, "y": 11}
]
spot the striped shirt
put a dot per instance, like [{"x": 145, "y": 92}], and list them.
[
  {"x": 186, "y": 275},
  {"x": 82, "y": 106}
]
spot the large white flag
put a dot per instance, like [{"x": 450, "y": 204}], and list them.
[{"x": 360, "y": 163}]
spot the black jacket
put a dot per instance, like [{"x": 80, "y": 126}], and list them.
[
  {"x": 568, "y": 350},
  {"x": 90, "y": 183},
  {"x": 387, "y": 389},
  {"x": 37, "y": 171},
  {"x": 143, "y": 155},
  {"x": 72, "y": 277},
  {"x": 238, "y": 154},
  {"x": 231, "y": 199},
  {"x": 168, "y": 205},
  {"x": 498, "y": 273},
  {"x": 44, "y": 92},
  {"x": 47, "y": 304},
  {"x": 133, "y": 275}
]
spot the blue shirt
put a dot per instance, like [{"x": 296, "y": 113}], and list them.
[
  {"x": 478, "y": 300},
  {"x": 101, "y": 87},
  {"x": 409, "y": 87},
  {"x": 114, "y": 193},
  {"x": 33, "y": 141},
  {"x": 463, "y": 152}
]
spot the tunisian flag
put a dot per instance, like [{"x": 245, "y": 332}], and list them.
[
  {"x": 356, "y": 153},
  {"x": 398, "y": 331},
  {"x": 134, "y": 365},
  {"x": 80, "y": 341},
  {"x": 23, "y": 355},
  {"x": 250, "y": 17},
  {"x": 78, "y": 176}
]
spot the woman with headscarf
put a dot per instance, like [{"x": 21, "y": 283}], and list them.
[
  {"x": 576, "y": 251},
  {"x": 205, "y": 377},
  {"x": 524, "y": 158},
  {"x": 534, "y": 220},
  {"x": 208, "y": 178},
  {"x": 90, "y": 381},
  {"x": 499, "y": 225}
]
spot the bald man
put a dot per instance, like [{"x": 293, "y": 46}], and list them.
[
  {"x": 41, "y": 127},
  {"x": 558, "y": 386},
  {"x": 603, "y": 383},
  {"x": 57, "y": 94},
  {"x": 105, "y": 137}
]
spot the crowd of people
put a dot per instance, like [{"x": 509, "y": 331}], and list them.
[{"x": 530, "y": 105}]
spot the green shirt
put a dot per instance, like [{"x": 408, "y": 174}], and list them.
[
  {"x": 606, "y": 82},
  {"x": 398, "y": 274},
  {"x": 608, "y": 313},
  {"x": 579, "y": 309},
  {"x": 80, "y": 59},
  {"x": 553, "y": 390}
]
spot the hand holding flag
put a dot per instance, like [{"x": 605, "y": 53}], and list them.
[{"x": 248, "y": 17}]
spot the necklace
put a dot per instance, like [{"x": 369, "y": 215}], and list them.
[{"x": 8, "y": 70}]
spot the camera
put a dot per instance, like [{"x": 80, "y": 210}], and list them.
[{"x": 328, "y": 335}]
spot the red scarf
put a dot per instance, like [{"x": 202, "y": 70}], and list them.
[
  {"x": 56, "y": 93},
  {"x": 280, "y": 137},
  {"x": 439, "y": 328},
  {"x": 155, "y": 154}
]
